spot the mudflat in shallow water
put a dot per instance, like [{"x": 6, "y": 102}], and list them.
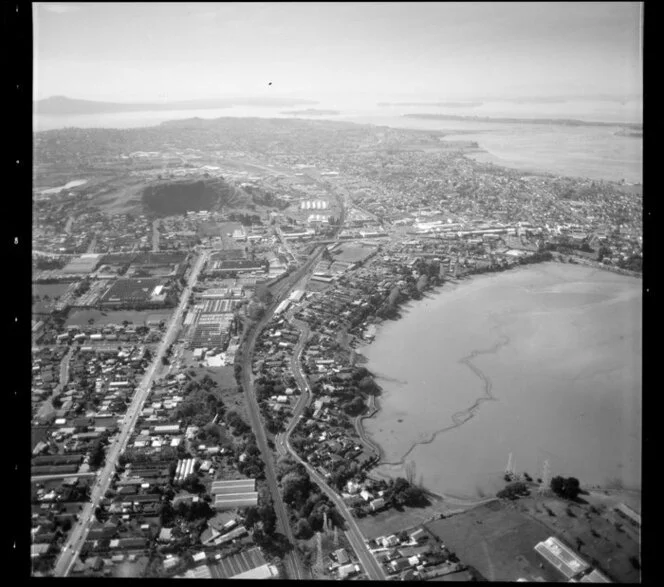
[{"x": 543, "y": 362}]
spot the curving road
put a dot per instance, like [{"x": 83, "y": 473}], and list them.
[
  {"x": 281, "y": 290},
  {"x": 372, "y": 568},
  {"x": 77, "y": 536}
]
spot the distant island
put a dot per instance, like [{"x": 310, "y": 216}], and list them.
[
  {"x": 61, "y": 105},
  {"x": 439, "y": 104},
  {"x": 572, "y": 98},
  {"x": 629, "y": 132},
  {"x": 312, "y": 111},
  {"x": 539, "y": 101},
  {"x": 558, "y": 121}
]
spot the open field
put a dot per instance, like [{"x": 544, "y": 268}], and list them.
[
  {"x": 52, "y": 290},
  {"x": 391, "y": 520},
  {"x": 600, "y": 539},
  {"x": 227, "y": 228},
  {"x": 118, "y": 195},
  {"x": 497, "y": 542},
  {"x": 224, "y": 376},
  {"x": 498, "y": 539},
  {"x": 49, "y": 289},
  {"x": 81, "y": 317},
  {"x": 209, "y": 229},
  {"x": 352, "y": 253}
]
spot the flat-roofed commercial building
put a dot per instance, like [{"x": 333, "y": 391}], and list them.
[
  {"x": 561, "y": 557},
  {"x": 245, "y": 484},
  {"x": 234, "y": 494},
  {"x": 235, "y": 500},
  {"x": 266, "y": 571}
]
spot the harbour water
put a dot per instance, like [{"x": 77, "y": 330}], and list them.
[
  {"x": 543, "y": 362},
  {"x": 596, "y": 152}
]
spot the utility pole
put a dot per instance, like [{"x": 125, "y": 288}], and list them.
[
  {"x": 318, "y": 566},
  {"x": 509, "y": 470},
  {"x": 545, "y": 485}
]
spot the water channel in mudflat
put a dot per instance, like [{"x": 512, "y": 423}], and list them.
[{"x": 543, "y": 362}]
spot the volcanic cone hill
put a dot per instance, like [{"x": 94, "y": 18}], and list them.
[{"x": 179, "y": 196}]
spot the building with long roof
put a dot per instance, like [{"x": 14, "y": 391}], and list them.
[{"x": 562, "y": 557}]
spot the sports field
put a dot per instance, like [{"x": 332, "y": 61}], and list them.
[{"x": 352, "y": 252}]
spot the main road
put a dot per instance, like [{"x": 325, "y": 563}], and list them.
[
  {"x": 371, "y": 566},
  {"x": 292, "y": 565},
  {"x": 77, "y": 536}
]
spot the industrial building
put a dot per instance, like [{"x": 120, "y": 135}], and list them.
[
  {"x": 234, "y": 494},
  {"x": 562, "y": 557},
  {"x": 266, "y": 571},
  {"x": 313, "y": 205}
]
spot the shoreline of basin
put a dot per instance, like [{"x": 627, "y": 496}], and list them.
[
  {"x": 375, "y": 406},
  {"x": 458, "y": 418}
]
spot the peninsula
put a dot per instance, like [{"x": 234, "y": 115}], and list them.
[
  {"x": 558, "y": 121},
  {"x": 439, "y": 104},
  {"x": 62, "y": 105},
  {"x": 312, "y": 112}
]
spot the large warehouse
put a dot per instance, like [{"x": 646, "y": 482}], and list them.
[
  {"x": 234, "y": 494},
  {"x": 561, "y": 557}
]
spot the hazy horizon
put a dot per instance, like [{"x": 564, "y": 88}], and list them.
[{"x": 355, "y": 52}]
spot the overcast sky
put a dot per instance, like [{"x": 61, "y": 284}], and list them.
[{"x": 141, "y": 51}]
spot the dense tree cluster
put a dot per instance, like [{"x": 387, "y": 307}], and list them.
[
  {"x": 355, "y": 406},
  {"x": 193, "y": 484},
  {"x": 201, "y": 404},
  {"x": 45, "y": 263},
  {"x": 632, "y": 263},
  {"x": 569, "y": 487},
  {"x": 262, "y": 516},
  {"x": 249, "y": 459},
  {"x": 343, "y": 470},
  {"x": 514, "y": 491},
  {"x": 193, "y": 510},
  {"x": 261, "y": 197},
  {"x": 400, "y": 492},
  {"x": 236, "y": 422},
  {"x": 245, "y": 219},
  {"x": 98, "y": 453},
  {"x": 308, "y": 505}
]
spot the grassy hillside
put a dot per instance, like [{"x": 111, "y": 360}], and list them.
[{"x": 179, "y": 196}]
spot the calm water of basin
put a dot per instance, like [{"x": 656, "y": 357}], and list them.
[{"x": 559, "y": 349}]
